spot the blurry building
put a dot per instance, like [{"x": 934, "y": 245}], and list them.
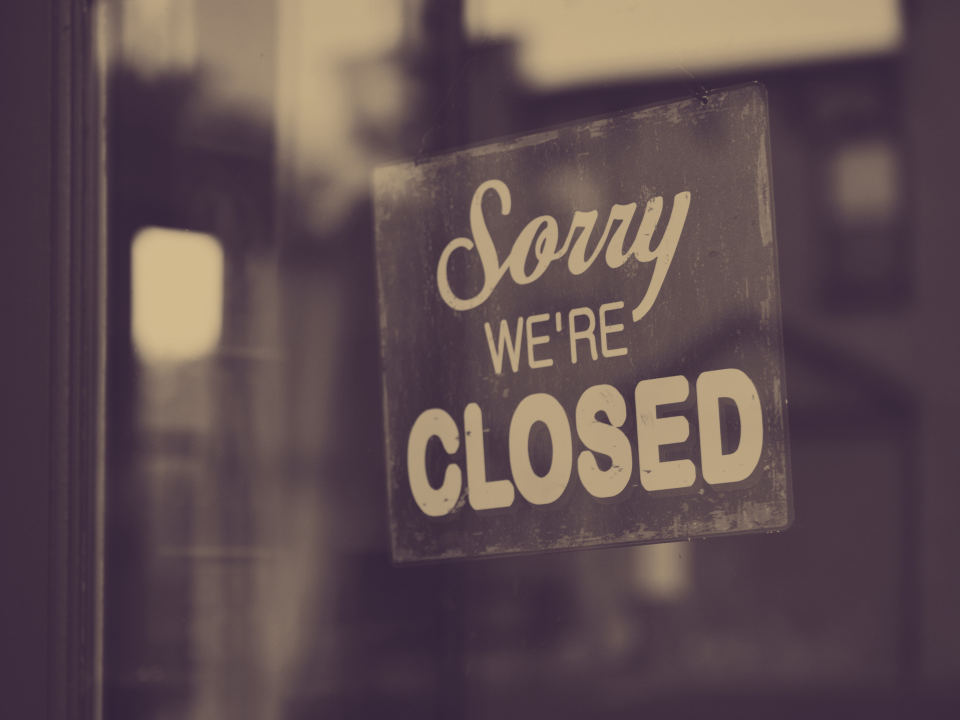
[{"x": 247, "y": 568}]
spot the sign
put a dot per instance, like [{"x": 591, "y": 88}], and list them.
[{"x": 581, "y": 336}]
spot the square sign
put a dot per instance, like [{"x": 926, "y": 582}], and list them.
[{"x": 581, "y": 336}]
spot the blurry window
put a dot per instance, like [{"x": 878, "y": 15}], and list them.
[
  {"x": 575, "y": 43},
  {"x": 177, "y": 294}
]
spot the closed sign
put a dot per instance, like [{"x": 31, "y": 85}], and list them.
[{"x": 581, "y": 336}]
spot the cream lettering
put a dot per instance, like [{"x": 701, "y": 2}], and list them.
[
  {"x": 542, "y": 236},
  {"x": 597, "y": 435}
]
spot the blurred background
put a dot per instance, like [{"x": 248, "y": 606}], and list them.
[{"x": 247, "y": 568}]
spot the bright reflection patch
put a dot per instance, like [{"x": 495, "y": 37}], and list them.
[
  {"x": 177, "y": 294},
  {"x": 573, "y": 42}
]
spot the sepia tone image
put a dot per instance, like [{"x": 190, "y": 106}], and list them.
[{"x": 480, "y": 359}]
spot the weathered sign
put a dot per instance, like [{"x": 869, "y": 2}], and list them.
[{"x": 581, "y": 336}]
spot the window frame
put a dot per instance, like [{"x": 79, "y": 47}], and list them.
[{"x": 52, "y": 320}]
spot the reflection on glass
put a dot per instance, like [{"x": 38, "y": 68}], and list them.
[
  {"x": 575, "y": 43},
  {"x": 159, "y": 36},
  {"x": 866, "y": 190},
  {"x": 249, "y": 573},
  {"x": 177, "y": 294}
]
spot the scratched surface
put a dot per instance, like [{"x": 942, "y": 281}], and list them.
[{"x": 718, "y": 307}]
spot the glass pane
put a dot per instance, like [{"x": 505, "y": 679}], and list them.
[{"x": 248, "y": 569}]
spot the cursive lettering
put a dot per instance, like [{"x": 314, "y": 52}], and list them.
[{"x": 542, "y": 235}]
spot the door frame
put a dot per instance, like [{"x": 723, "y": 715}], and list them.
[{"x": 52, "y": 322}]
